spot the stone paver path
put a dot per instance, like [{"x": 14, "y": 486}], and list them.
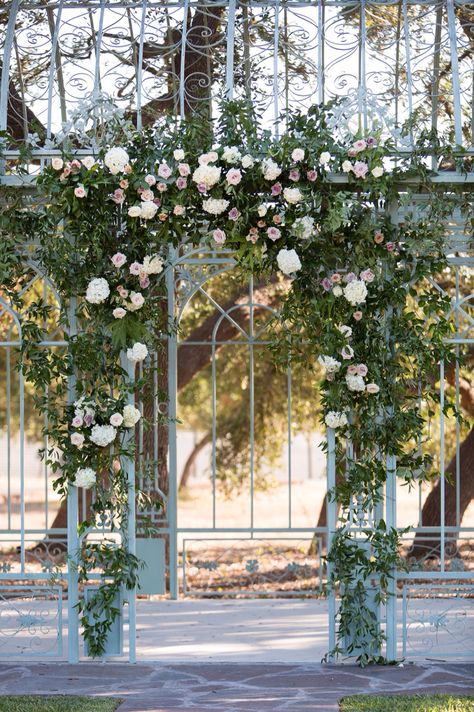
[{"x": 231, "y": 687}]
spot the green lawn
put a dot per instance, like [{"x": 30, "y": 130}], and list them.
[
  {"x": 407, "y": 703},
  {"x": 58, "y": 703}
]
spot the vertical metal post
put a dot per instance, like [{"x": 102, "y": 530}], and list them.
[
  {"x": 72, "y": 522},
  {"x": 331, "y": 523},
  {"x": 7, "y": 52},
  {"x": 229, "y": 76},
  {"x": 140, "y": 64},
  {"x": 130, "y": 533},
  {"x": 442, "y": 532},
  {"x": 455, "y": 72},
  {"x": 320, "y": 51},
  {"x": 276, "y": 42},
  {"x": 172, "y": 412},
  {"x": 182, "y": 68}
]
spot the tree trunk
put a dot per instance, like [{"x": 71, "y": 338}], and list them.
[{"x": 187, "y": 469}]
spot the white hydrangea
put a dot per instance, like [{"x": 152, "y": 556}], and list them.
[
  {"x": 270, "y": 169},
  {"x": 152, "y": 264},
  {"x": 215, "y": 206},
  {"x": 288, "y": 261},
  {"x": 116, "y": 159},
  {"x": 85, "y": 477},
  {"x": 292, "y": 195},
  {"x": 137, "y": 353},
  {"x": 355, "y": 383},
  {"x": 355, "y": 292},
  {"x": 334, "y": 419},
  {"x": 303, "y": 228},
  {"x": 148, "y": 210},
  {"x": 97, "y": 290},
  {"x": 330, "y": 364},
  {"x": 231, "y": 154},
  {"x": 207, "y": 175},
  {"x": 103, "y": 435},
  {"x": 131, "y": 416}
]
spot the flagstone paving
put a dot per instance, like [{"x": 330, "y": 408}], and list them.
[{"x": 231, "y": 687}]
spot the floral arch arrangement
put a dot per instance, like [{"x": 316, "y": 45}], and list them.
[{"x": 315, "y": 205}]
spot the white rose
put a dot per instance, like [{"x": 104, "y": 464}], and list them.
[
  {"x": 330, "y": 364},
  {"x": 355, "y": 292},
  {"x": 119, "y": 313},
  {"x": 85, "y": 477},
  {"x": 116, "y": 159},
  {"x": 334, "y": 419},
  {"x": 137, "y": 353},
  {"x": 292, "y": 195},
  {"x": 337, "y": 291},
  {"x": 137, "y": 300},
  {"x": 135, "y": 211},
  {"x": 324, "y": 158},
  {"x": 247, "y": 161},
  {"x": 270, "y": 169},
  {"x": 298, "y": 154},
  {"x": 149, "y": 209},
  {"x": 377, "y": 171},
  {"x": 288, "y": 261},
  {"x": 345, "y": 331},
  {"x": 152, "y": 264},
  {"x": 262, "y": 210},
  {"x": 355, "y": 383},
  {"x": 215, "y": 206},
  {"x": 231, "y": 154},
  {"x": 97, "y": 290},
  {"x": 77, "y": 439},
  {"x": 57, "y": 163},
  {"x": 178, "y": 154},
  {"x": 103, "y": 435},
  {"x": 207, "y": 175},
  {"x": 116, "y": 419},
  {"x": 88, "y": 162},
  {"x": 347, "y": 166},
  {"x": 131, "y": 416}
]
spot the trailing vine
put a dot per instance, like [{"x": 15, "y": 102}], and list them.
[{"x": 359, "y": 308}]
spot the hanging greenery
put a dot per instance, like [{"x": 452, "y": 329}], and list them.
[{"x": 316, "y": 205}]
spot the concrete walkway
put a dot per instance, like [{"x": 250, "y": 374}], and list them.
[{"x": 231, "y": 687}]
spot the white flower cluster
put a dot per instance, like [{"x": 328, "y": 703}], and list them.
[
  {"x": 97, "y": 290},
  {"x": 288, "y": 261},
  {"x": 146, "y": 210},
  {"x": 270, "y": 169},
  {"x": 152, "y": 264},
  {"x": 303, "y": 227},
  {"x": 131, "y": 416},
  {"x": 334, "y": 419},
  {"x": 116, "y": 159},
  {"x": 292, "y": 195},
  {"x": 215, "y": 206},
  {"x": 85, "y": 477},
  {"x": 103, "y": 435},
  {"x": 231, "y": 155},
  {"x": 330, "y": 364},
  {"x": 137, "y": 353},
  {"x": 207, "y": 175},
  {"x": 355, "y": 292},
  {"x": 355, "y": 382}
]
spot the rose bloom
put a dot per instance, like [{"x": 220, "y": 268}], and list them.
[
  {"x": 233, "y": 214},
  {"x": 349, "y": 277},
  {"x": 118, "y": 313},
  {"x": 202, "y": 188},
  {"x": 335, "y": 278},
  {"x": 88, "y": 162},
  {"x": 234, "y": 176},
  {"x": 390, "y": 246},
  {"x": 135, "y": 268},
  {"x": 276, "y": 188},
  {"x": 362, "y": 369},
  {"x": 370, "y": 141},
  {"x": 294, "y": 175},
  {"x": 372, "y": 388},
  {"x": 311, "y": 175},
  {"x": 118, "y": 196},
  {"x": 150, "y": 180},
  {"x": 273, "y": 233},
  {"x": 277, "y": 219},
  {"x": 57, "y": 163},
  {"x": 147, "y": 195},
  {"x": 377, "y": 172},
  {"x": 346, "y": 166},
  {"x": 298, "y": 154},
  {"x": 77, "y": 439},
  {"x": 123, "y": 183},
  {"x": 118, "y": 259},
  {"x": 379, "y": 237},
  {"x": 161, "y": 187},
  {"x": 164, "y": 171},
  {"x": 75, "y": 165},
  {"x": 137, "y": 299},
  {"x": 352, "y": 152},
  {"x": 352, "y": 370},
  {"x": 219, "y": 236},
  {"x": 144, "y": 281},
  {"x": 337, "y": 291},
  {"x": 326, "y": 284},
  {"x": 359, "y": 145},
  {"x": 261, "y": 223},
  {"x": 181, "y": 183},
  {"x": 357, "y": 315},
  {"x": 116, "y": 419},
  {"x": 162, "y": 216},
  {"x": 77, "y": 421},
  {"x": 347, "y": 352},
  {"x": 184, "y": 169},
  {"x": 127, "y": 169},
  {"x": 252, "y": 237},
  {"x": 179, "y": 210},
  {"x": 122, "y": 291},
  {"x": 360, "y": 169},
  {"x": 367, "y": 275},
  {"x": 80, "y": 192}
]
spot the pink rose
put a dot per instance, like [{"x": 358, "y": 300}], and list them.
[
  {"x": 326, "y": 284},
  {"x": 367, "y": 275},
  {"x": 359, "y": 145},
  {"x": 311, "y": 175},
  {"x": 233, "y": 214},
  {"x": 181, "y": 183},
  {"x": 362, "y": 369},
  {"x": 164, "y": 171},
  {"x": 118, "y": 259},
  {"x": 116, "y": 420},
  {"x": 294, "y": 175},
  {"x": 276, "y": 189},
  {"x": 219, "y": 236},
  {"x": 273, "y": 233},
  {"x": 150, "y": 180},
  {"x": 184, "y": 169},
  {"x": 379, "y": 237},
  {"x": 234, "y": 176},
  {"x": 88, "y": 162},
  {"x": 336, "y": 278},
  {"x": 147, "y": 195},
  {"x": 162, "y": 187},
  {"x": 137, "y": 299},
  {"x": 360, "y": 169},
  {"x": 357, "y": 315},
  {"x": 123, "y": 183},
  {"x": 179, "y": 210},
  {"x": 77, "y": 421},
  {"x": 202, "y": 188},
  {"x": 352, "y": 370},
  {"x": 352, "y": 152},
  {"x": 57, "y": 163},
  {"x": 370, "y": 141},
  {"x": 88, "y": 419},
  {"x": 127, "y": 169},
  {"x": 79, "y": 191},
  {"x": 135, "y": 268},
  {"x": 67, "y": 170},
  {"x": 350, "y": 277},
  {"x": 252, "y": 237},
  {"x": 144, "y": 281},
  {"x": 372, "y": 388},
  {"x": 390, "y": 246},
  {"x": 118, "y": 196},
  {"x": 119, "y": 313},
  {"x": 122, "y": 291},
  {"x": 75, "y": 165}
]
